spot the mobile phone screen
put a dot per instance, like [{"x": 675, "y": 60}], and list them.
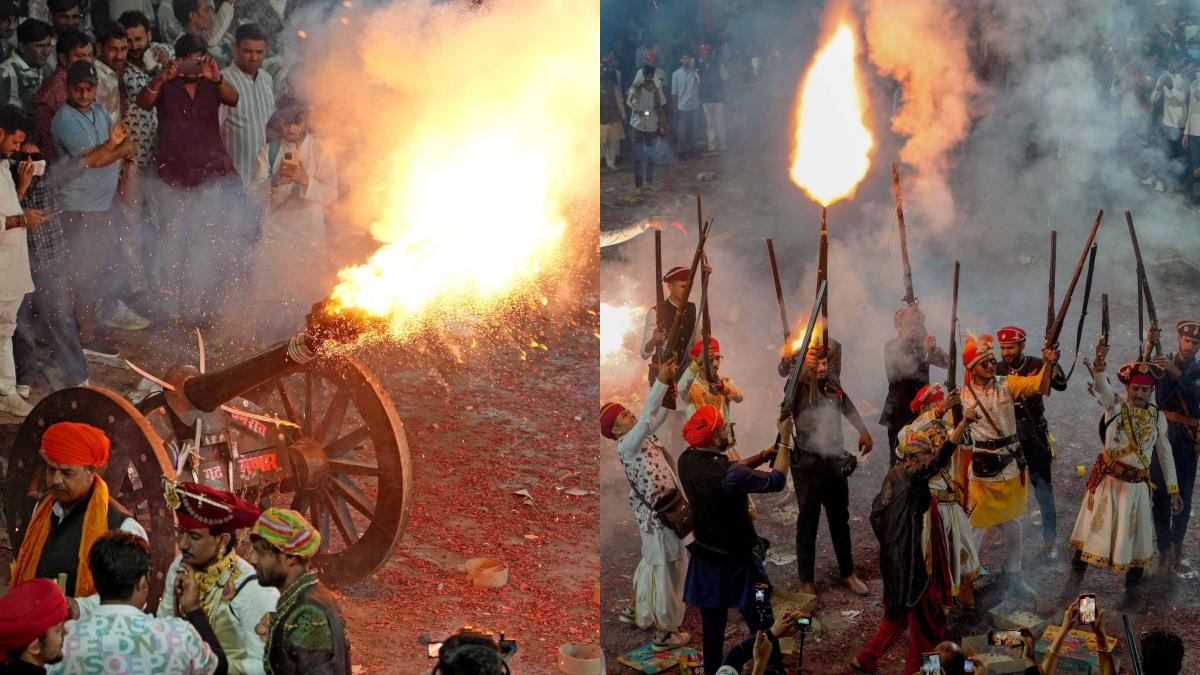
[
  {"x": 931, "y": 664},
  {"x": 434, "y": 648},
  {"x": 1087, "y": 608}
]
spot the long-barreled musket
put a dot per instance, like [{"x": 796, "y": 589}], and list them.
[
  {"x": 910, "y": 297},
  {"x": 1053, "y": 260},
  {"x": 705, "y": 330},
  {"x": 658, "y": 288},
  {"x": 1152, "y": 341},
  {"x": 1087, "y": 296},
  {"x": 1104, "y": 319},
  {"x": 783, "y": 318},
  {"x": 822, "y": 282},
  {"x": 1141, "y": 320},
  {"x": 793, "y": 384},
  {"x": 1055, "y": 330},
  {"x": 952, "y": 365},
  {"x": 673, "y": 336}
]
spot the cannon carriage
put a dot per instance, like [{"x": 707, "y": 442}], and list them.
[{"x": 297, "y": 427}]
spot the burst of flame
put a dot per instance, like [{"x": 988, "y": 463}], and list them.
[
  {"x": 617, "y": 323},
  {"x": 799, "y": 341},
  {"x": 832, "y": 147},
  {"x": 470, "y": 200}
]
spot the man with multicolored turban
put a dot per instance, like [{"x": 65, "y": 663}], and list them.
[
  {"x": 31, "y": 627},
  {"x": 659, "y": 321},
  {"x": 1032, "y": 428},
  {"x": 658, "y": 579},
  {"x": 76, "y": 511},
  {"x": 726, "y": 570},
  {"x": 932, "y": 406},
  {"x": 1114, "y": 529},
  {"x": 307, "y": 632},
  {"x": 998, "y": 477},
  {"x": 1178, "y": 397},
  {"x": 698, "y": 391},
  {"x": 238, "y": 606},
  {"x": 916, "y": 575},
  {"x": 907, "y": 358}
]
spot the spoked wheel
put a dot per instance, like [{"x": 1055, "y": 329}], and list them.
[
  {"x": 350, "y": 468},
  {"x": 134, "y": 473}
]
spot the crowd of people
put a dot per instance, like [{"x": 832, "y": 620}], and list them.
[
  {"x": 83, "y": 578},
  {"x": 157, "y": 165},
  {"x": 963, "y": 458}
]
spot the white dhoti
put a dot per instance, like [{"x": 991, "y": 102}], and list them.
[
  {"x": 1115, "y": 527},
  {"x": 963, "y": 551},
  {"x": 658, "y": 581}
]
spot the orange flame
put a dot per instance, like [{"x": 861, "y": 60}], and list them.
[
  {"x": 799, "y": 341},
  {"x": 617, "y": 324},
  {"x": 832, "y": 150}
]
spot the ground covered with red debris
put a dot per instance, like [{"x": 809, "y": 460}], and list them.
[
  {"x": 849, "y": 621},
  {"x": 481, "y": 424}
]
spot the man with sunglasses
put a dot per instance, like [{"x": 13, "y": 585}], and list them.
[{"x": 998, "y": 479}]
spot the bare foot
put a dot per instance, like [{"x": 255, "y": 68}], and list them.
[
  {"x": 855, "y": 585},
  {"x": 808, "y": 588}
]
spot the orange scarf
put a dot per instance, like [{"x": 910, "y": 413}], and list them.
[{"x": 95, "y": 524}]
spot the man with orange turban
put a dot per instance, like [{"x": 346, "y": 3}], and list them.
[
  {"x": 997, "y": 479},
  {"x": 75, "y": 512}
]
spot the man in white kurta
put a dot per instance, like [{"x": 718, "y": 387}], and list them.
[
  {"x": 660, "y": 574},
  {"x": 1115, "y": 527},
  {"x": 962, "y": 548},
  {"x": 998, "y": 488},
  {"x": 15, "y": 278}
]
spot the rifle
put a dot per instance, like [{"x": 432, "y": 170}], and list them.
[
  {"x": 822, "y": 281},
  {"x": 952, "y": 363},
  {"x": 1087, "y": 294},
  {"x": 1152, "y": 341},
  {"x": 787, "y": 331},
  {"x": 793, "y": 383},
  {"x": 1053, "y": 259},
  {"x": 1104, "y": 319},
  {"x": 1055, "y": 330},
  {"x": 910, "y": 297},
  {"x": 705, "y": 330},
  {"x": 1135, "y": 659},
  {"x": 673, "y": 336},
  {"x": 658, "y": 286}
]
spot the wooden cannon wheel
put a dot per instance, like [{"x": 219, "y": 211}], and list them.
[
  {"x": 136, "y": 466},
  {"x": 352, "y": 474}
]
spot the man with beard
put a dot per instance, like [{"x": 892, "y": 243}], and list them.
[
  {"x": 1032, "y": 429},
  {"x": 71, "y": 46},
  {"x": 698, "y": 391},
  {"x": 237, "y": 605},
  {"x": 307, "y": 633},
  {"x": 658, "y": 325},
  {"x": 1178, "y": 397},
  {"x": 76, "y": 511},
  {"x": 244, "y": 126},
  {"x": 658, "y": 579},
  {"x": 112, "y": 50},
  {"x": 726, "y": 569},
  {"x": 821, "y": 470},
  {"x": 1114, "y": 527},
  {"x": 997, "y": 476},
  {"x": 31, "y": 627},
  {"x": 913, "y": 598},
  {"x": 907, "y": 358}
]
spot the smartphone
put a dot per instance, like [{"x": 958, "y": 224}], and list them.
[
  {"x": 1087, "y": 608},
  {"x": 968, "y": 666},
  {"x": 434, "y": 649},
  {"x": 190, "y": 68},
  {"x": 931, "y": 663},
  {"x": 1005, "y": 638}
]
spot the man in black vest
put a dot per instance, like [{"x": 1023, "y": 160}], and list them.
[
  {"x": 1032, "y": 428},
  {"x": 907, "y": 358},
  {"x": 76, "y": 511},
  {"x": 821, "y": 469},
  {"x": 658, "y": 328},
  {"x": 725, "y": 570}
]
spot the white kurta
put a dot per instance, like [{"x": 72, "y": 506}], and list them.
[
  {"x": 961, "y": 538},
  {"x": 660, "y": 574},
  {"x": 293, "y": 226},
  {"x": 1115, "y": 526},
  {"x": 241, "y": 618}
]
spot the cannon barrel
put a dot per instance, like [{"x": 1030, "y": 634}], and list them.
[{"x": 209, "y": 391}]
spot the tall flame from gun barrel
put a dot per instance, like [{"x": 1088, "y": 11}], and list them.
[{"x": 832, "y": 146}]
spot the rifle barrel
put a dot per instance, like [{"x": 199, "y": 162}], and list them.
[
  {"x": 790, "y": 390},
  {"x": 787, "y": 331},
  {"x": 952, "y": 366},
  {"x": 910, "y": 297},
  {"x": 1053, "y": 260},
  {"x": 1056, "y": 329},
  {"x": 1144, "y": 288}
]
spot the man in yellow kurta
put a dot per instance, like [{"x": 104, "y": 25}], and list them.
[
  {"x": 998, "y": 479},
  {"x": 698, "y": 392}
]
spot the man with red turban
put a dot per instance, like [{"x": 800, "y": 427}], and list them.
[
  {"x": 726, "y": 569},
  {"x": 659, "y": 321},
  {"x": 31, "y": 627},
  {"x": 76, "y": 511},
  {"x": 698, "y": 391},
  {"x": 1032, "y": 428},
  {"x": 1115, "y": 526},
  {"x": 658, "y": 579},
  {"x": 997, "y": 487}
]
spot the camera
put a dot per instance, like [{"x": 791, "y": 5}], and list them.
[
  {"x": 472, "y": 650},
  {"x": 804, "y": 623}
]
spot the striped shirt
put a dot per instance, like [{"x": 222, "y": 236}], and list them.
[{"x": 244, "y": 126}]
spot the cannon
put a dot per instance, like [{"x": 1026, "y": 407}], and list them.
[{"x": 302, "y": 425}]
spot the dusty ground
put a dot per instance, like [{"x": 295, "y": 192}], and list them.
[
  {"x": 738, "y": 197},
  {"x": 519, "y": 420}
]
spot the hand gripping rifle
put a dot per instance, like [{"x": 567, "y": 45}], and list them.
[
  {"x": 1152, "y": 341},
  {"x": 1054, "y": 330}
]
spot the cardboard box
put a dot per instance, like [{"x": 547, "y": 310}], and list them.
[
  {"x": 646, "y": 660},
  {"x": 1078, "y": 651},
  {"x": 999, "y": 660}
]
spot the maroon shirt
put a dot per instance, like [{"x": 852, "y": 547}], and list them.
[{"x": 189, "y": 134}]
